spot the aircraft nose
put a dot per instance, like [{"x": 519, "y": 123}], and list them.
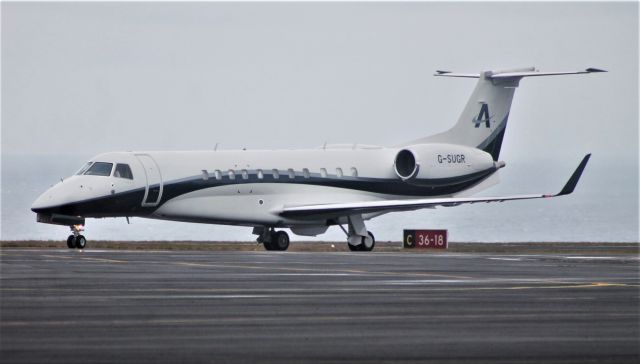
[
  {"x": 65, "y": 197},
  {"x": 43, "y": 203},
  {"x": 52, "y": 200}
]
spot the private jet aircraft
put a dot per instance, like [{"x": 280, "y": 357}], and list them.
[{"x": 308, "y": 190}]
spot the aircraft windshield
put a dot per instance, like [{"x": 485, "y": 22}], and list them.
[
  {"x": 123, "y": 171},
  {"x": 99, "y": 169},
  {"x": 84, "y": 168}
]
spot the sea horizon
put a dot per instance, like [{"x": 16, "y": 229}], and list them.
[{"x": 604, "y": 208}]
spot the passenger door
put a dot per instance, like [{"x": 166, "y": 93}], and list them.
[{"x": 153, "y": 190}]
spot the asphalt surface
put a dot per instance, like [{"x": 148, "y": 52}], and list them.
[{"x": 70, "y": 306}]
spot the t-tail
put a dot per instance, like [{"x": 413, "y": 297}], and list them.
[{"x": 483, "y": 121}]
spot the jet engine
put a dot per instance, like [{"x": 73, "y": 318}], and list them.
[{"x": 435, "y": 164}]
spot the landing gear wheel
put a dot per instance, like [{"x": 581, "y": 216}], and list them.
[
  {"x": 81, "y": 242},
  {"x": 368, "y": 242},
  {"x": 280, "y": 241},
  {"x": 267, "y": 245},
  {"x": 71, "y": 242},
  {"x": 354, "y": 248}
]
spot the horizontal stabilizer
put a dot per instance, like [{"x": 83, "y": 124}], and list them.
[
  {"x": 349, "y": 208},
  {"x": 452, "y": 74},
  {"x": 528, "y": 72},
  {"x": 537, "y": 73}
]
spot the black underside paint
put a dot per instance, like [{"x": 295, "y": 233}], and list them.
[{"x": 129, "y": 203}]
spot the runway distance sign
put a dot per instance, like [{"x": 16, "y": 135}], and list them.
[{"x": 425, "y": 239}]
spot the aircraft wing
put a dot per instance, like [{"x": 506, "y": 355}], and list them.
[{"x": 349, "y": 208}]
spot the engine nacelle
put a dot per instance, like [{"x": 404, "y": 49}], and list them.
[{"x": 427, "y": 164}]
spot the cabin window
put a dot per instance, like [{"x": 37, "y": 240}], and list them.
[
  {"x": 339, "y": 172},
  {"x": 323, "y": 172},
  {"x": 232, "y": 174},
  {"x": 218, "y": 174},
  {"x": 292, "y": 174},
  {"x": 305, "y": 173},
  {"x": 84, "y": 168},
  {"x": 99, "y": 169},
  {"x": 260, "y": 174},
  {"x": 245, "y": 174},
  {"x": 205, "y": 174},
  {"x": 354, "y": 172},
  {"x": 123, "y": 171},
  {"x": 275, "y": 173}
]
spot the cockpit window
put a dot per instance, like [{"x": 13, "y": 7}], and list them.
[
  {"x": 84, "y": 168},
  {"x": 123, "y": 171},
  {"x": 99, "y": 169}
]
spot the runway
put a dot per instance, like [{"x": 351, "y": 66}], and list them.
[{"x": 104, "y": 306}]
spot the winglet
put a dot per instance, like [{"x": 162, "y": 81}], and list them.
[{"x": 575, "y": 177}]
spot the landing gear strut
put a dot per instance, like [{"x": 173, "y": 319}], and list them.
[
  {"x": 271, "y": 239},
  {"x": 76, "y": 240},
  {"x": 358, "y": 237}
]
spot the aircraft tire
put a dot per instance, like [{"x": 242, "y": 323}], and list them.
[
  {"x": 267, "y": 245},
  {"x": 71, "y": 242},
  {"x": 280, "y": 241},
  {"x": 364, "y": 246},
  {"x": 355, "y": 248},
  {"x": 81, "y": 242}
]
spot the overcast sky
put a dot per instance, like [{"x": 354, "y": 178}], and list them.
[{"x": 87, "y": 78}]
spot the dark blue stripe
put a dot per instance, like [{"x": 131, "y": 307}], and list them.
[{"x": 129, "y": 203}]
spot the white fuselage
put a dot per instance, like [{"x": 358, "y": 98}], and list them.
[{"x": 251, "y": 187}]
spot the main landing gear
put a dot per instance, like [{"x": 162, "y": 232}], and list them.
[
  {"x": 358, "y": 237},
  {"x": 76, "y": 240},
  {"x": 271, "y": 239},
  {"x": 367, "y": 243}
]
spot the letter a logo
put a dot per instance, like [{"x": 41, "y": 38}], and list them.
[{"x": 483, "y": 116}]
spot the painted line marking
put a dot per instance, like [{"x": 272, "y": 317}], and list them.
[
  {"x": 105, "y": 260},
  {"x": 85, "y": 258},
  {"x": 314, "y": 269},
  {"x": 56, "y": 256},
  {"x": 322, "y": 290},
  {"x": 201, "y": 296},
  {"x": 598, "y": 257},
  {"x": 306, "y": 318}
]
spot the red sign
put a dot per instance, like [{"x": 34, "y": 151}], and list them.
[{"x": 433, "y": 239}]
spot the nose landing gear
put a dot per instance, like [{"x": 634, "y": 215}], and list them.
[{"x": 76, "y": 240}]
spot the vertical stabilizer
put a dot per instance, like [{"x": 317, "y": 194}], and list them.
[{"x": 483, "y": 121}]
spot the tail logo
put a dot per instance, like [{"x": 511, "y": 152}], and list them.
[{"x": 483, "y": 116}]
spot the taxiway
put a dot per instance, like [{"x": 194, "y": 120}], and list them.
[{"x": 70, "y": 306}]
